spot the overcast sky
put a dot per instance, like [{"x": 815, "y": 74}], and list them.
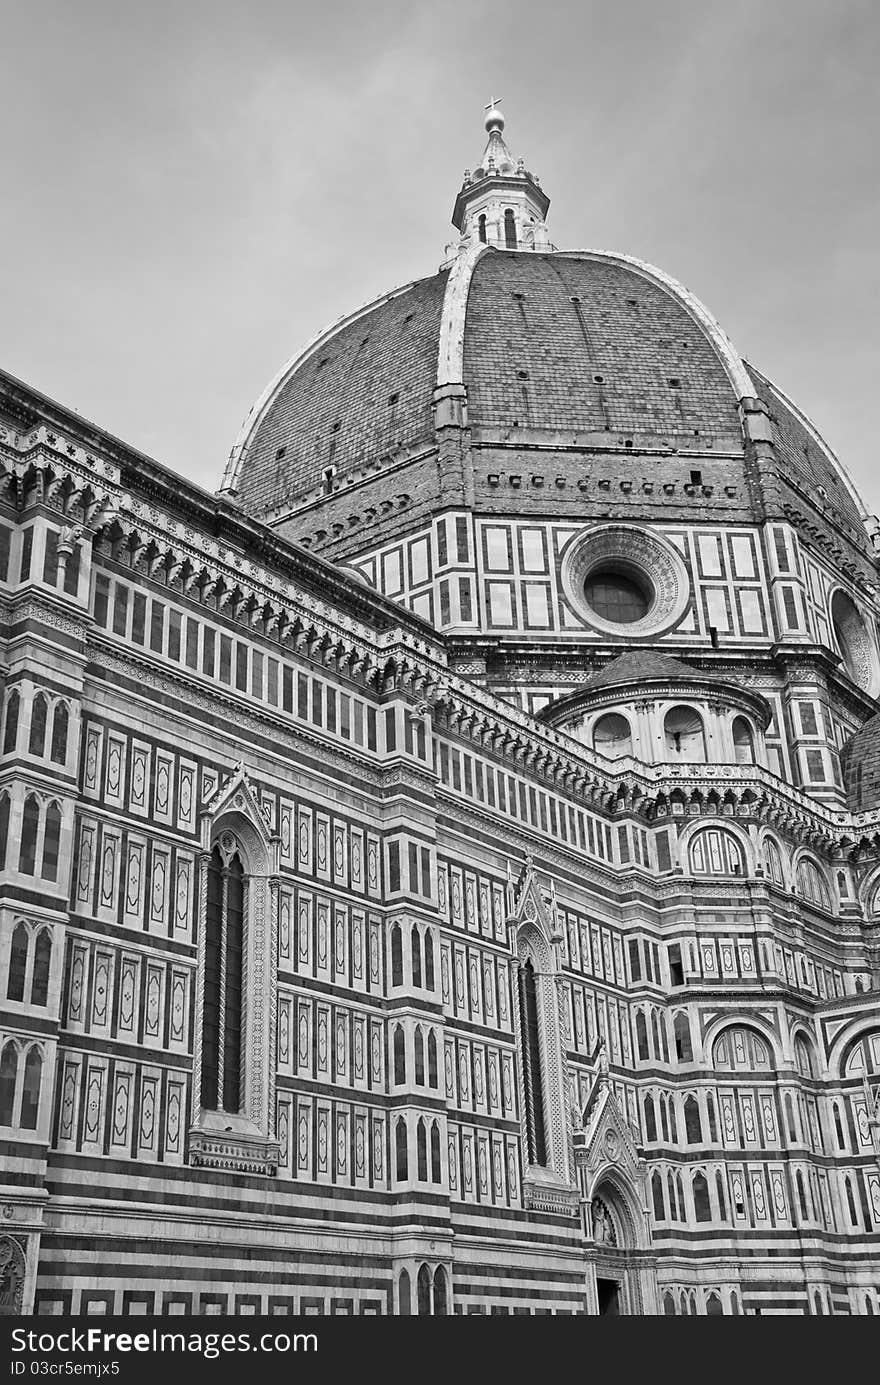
[{"x": 192, "y": 190}]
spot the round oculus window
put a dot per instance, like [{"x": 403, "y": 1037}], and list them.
[
  {"x": 623, "y": 579},
  {"x": 617, "y": 594}
]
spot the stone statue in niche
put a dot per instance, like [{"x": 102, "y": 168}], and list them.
[
  {"x": 603, "y": 1226},
  {"x": 11, "y": 1276}
]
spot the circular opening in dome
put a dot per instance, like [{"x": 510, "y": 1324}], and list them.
[{"x": 618, "y": 593}]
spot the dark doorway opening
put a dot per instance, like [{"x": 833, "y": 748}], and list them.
[{"x": 609, "y": 1298}]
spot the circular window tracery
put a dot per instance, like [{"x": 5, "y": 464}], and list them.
[{"x": 625, "y": 580}]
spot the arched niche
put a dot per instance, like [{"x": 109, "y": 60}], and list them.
[{"x": 855, "y": 642}]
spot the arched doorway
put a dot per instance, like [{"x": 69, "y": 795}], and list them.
[{"x": 618, "y": 1255}]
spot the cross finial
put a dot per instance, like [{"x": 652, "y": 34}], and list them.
[{"x": 493, "y": 102}]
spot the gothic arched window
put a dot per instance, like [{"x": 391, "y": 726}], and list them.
[
  {"x": 683, "y": 1047},
  {"x": 27, "y": 856},
  {"x": 423, "y": 1291},
  {"x": 432, "y": 1059},
  {"x": 221, "y": 1022},
  {"x": 403, "y": 1301},
  {"x": 51, "y": 841},
  {"x": 8, "y": 1077},
  {"x": 650, "y": 1119},
  {"x": 4, "y": 828},
  {"x": 37, "y": 739},
  {"x": 436, "y": 1168},
  {"x": 536, "y": 1141},
  {"x": 401, "y": 1150},
  {"x": 441, "y": 1298},
  {"x": 42, "y": 962},
  {"x": 642, "y": 1036},
  {"x": 429, "y": 962},
  {"x": 700, "y": 1190},
  {"x": 10, "y": 730},
  {"x": 419, "y": 1047},
  {"x": 722, "y": 1200},
  {"x": 30, "y": 1091},
  {"x": 18, "y": 955},
  {"x": 399, "y": 1056},
  {"x": 693, "y": 1126},
  {"x": 396, "y": 956},
  {"x": 713, "y": 1124},
  {"x": 416, "y": 956},
  {"x": 60, "y": 722},
  {"x": 421, "y": 1151},
  {"x": 657, "y": 1197}
]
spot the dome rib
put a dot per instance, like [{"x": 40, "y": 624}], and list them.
[{"x": 727, "y": 353}]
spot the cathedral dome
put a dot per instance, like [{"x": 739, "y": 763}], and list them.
[{"x": 580, "y": 349}]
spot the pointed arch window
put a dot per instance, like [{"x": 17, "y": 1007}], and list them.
[
  {"x": 396, "y": 956},
  {"x": 30, "y": 1091},
  {"x": 422, "y": 1151},
  {"x": 702, "y": 1205},
  {"x": 416, "y": 956},
  {"x": 60, "y": 723},
  {"x": 27, "y": 856},
  {"x": 650, "y": 1120},
  {"x": 10, "y": 729},
  {"x": 722, "y": 1200},
  {"x": 429, "y": 962},
  {"x": 8, "y": 1079},
  {"x": 536, "y": 1140},
  {"x": 642, "y": 1037},
  {"x": 419, "y": 1047},
  {"x": 424, "y": 1291},
  {"x": 693, "y": 1126},
  {"x": 4, "y": 828},
  {"x": 399, "y": 1056},
  {"x": 441, "y": 1298},
  {"x": 42, "y": 963},
  {"x": 39, "y": 715},
  {"x": 18, "y": 955},
  {"x": 432, "y": 1059},
  {"x": 221, "y": 1021},
  {"x": 402, "y": 1159},
  {"x": 51, "y": 842},
  {"x": 403, "y": 1295},
  {"x": 436, "y": 1168},
  {"x": 657, "y": 1197},
  {"x": 683, "y": 1048}
]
